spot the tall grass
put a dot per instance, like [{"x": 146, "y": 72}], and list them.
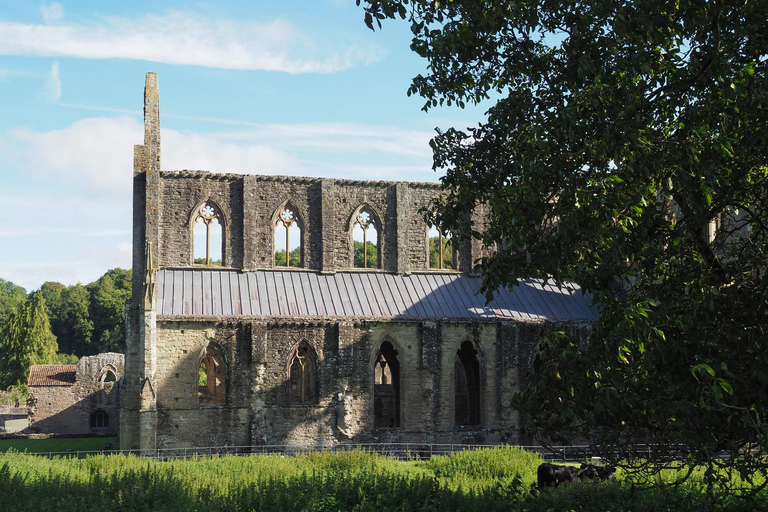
[{"x": 484, "y": 480}]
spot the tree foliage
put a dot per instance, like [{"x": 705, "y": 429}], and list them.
[
  {"x": 370, "y": 256},
  {"x": 25, "y": 339},
  {"x": 625, "y": 149},
  {"x": 295, "y": 257},
  {"x": 108, "y": 296},
  {"x": 11, "y": 296}
]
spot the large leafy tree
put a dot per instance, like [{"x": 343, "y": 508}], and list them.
[
  {"x": 625, "y": 149},
  {"x": 25, "y": 339},
  {"x": 108, "y": 296},
  {"x": 11, "y": 295}
]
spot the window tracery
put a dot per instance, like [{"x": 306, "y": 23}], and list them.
[
  {"x": 288, "y": 233},
  {"x": 365, "y": 238},
  {"x": 211, "y": 377},
  {"x": 302, "y": 375},
  {"x": 208, "y": 235}
]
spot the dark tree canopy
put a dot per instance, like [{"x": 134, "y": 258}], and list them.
[{"x": 626, "y": 150}]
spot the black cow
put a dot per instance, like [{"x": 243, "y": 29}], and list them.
[
  {"x": 599, "y": 473},
  {"x": 552, "y": 475}
]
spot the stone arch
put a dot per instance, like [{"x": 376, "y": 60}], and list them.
[
  {"x": 467, "y": 384},
  {"x": 301, "y": 372},
  {"x": 211, "y": 375},
  {"x": 205, "y": 213},
  {"x": 365, "y": 218},
  {"x": 108, "y": 376},
  {"x": 386, "y": 366},
  {"x": 295, "y": 219}
]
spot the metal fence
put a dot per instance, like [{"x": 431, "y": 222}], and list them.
[{"x": 401, "y": 451}]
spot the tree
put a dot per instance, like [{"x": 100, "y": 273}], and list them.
[
  {"x": 625, "y": 149},
  {"x": 11, "y": 296},
  {"x": 26, "y": 339},
  {"x": 74, "y": 324},
  {"x": 371, "y": 255},
  {"x": 108, "y": 296},
  {"x": 295, "y": 257}
]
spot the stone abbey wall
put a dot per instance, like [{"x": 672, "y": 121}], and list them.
[
  {"x": 325, "y": 207},
  {"x": 311, "y": 380}
]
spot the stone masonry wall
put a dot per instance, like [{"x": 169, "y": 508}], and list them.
[
  {"x": 257, "y": 409},
  {"x": 325, "y": 207},
  {"x": 68, "y": 409}
]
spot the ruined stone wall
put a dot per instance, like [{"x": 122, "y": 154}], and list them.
[
  {"x": 325, "y": 207},
  {"x": 68, "y": 409},
  {"x": 258, "y": 411}
]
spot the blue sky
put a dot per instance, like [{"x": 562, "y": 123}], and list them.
[{"x": 285, "y": 87}]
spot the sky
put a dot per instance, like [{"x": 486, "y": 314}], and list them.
[{"x": 283, "y": 87}]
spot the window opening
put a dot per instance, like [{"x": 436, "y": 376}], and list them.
[
  {"x": 467, "y": 397},
  {"x": 99, "y": 419},
  {"x": 365, "y": 238},
  {"x": 302, "y": 380},
  {"x": 386, "y": 387},
  {"x": 287, "y": 238},
  {"x": 207, "y": 235},
  {"x": 211, "y": 377},
  {"x": 109, "y": 376},
  {"x": 441, "y": 253}
]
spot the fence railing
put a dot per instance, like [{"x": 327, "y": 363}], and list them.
[{"x": 402, "y": 451}]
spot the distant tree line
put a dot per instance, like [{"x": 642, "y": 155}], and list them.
[{"x": 58, "y": 324}]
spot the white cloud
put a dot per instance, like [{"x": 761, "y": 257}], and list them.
[
  {"x": 52, "y": 90},
  {"x": 181, "y": 38},
  {"x": 52, "y": 12},
  {"x": 95, "y": 154},
  {"x": 91, "y": 154}
]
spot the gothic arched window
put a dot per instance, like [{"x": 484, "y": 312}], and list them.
[
  {"x": 302, "y": 375},
  {"x": 467, "y": 391},
  {"x": 288, "y": 238},
  {"x": 207, "y": 235},
  {"x": 212, "y": 377},
  {"x": 365, "y": 239},
  {"x": 386, "y": 387},
  {"x": 441, "y": 253}
]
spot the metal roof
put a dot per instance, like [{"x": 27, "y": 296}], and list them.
[
  {"x": 52, "y": 374},
  {"x": 361, "y": 295}
]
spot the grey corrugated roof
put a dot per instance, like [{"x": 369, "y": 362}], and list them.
[{"x": 364, "y": 295}]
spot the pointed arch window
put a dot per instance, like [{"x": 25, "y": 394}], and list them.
[
  {"x": 302, "y": 375},
  {"x": 386, "y": 387},
  {"x": 211, "y": 377},
  {"x": 208, "y": 240},
  {"x": 467, "y": 390},
  {"x": 108, "y": 377},
  {"x": 441, "y": 253},
  {"x": 365, "y": 239},
  {"x": 288, "y": 238}
]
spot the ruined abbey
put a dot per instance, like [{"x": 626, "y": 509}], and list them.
[{"x": 313, "y": 311}]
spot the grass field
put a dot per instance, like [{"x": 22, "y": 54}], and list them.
[
  {"x": 486, "y": 480},
  {"x": 57, "y": 444}
]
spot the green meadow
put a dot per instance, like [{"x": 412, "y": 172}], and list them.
[{"x": 486, "y": 480}]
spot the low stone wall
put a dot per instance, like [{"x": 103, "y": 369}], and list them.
[{"x": 13, "y": 419}]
